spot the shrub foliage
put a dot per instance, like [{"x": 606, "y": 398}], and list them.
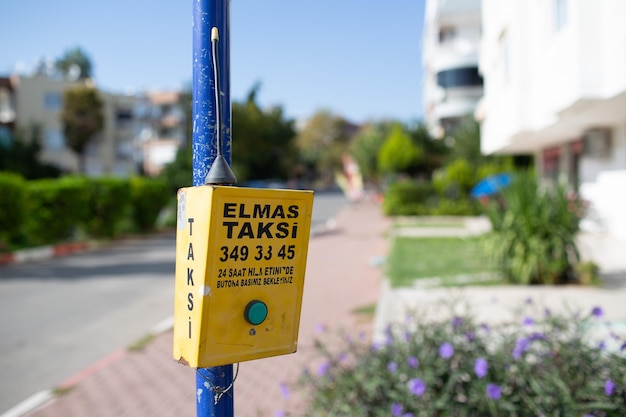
[
  {"x": 12, "y": 190},
  {"x": 40, "y": 212},
  {"x": 540, "y": 363},
  {"x": 534, "y": 231}
]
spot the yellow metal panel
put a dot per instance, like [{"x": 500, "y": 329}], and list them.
[{"x": 240, "y": 264}]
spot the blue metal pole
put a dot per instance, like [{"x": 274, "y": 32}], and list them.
[{"x": 206, "y": 15}]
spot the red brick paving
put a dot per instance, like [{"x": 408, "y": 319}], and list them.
[{"x": 340, "y": 277}]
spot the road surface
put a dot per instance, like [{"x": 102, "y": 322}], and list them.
[{"x": 60, "y": 316}]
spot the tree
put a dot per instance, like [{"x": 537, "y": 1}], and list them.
[
  {"x": 263, "y": 141},
  {"x": 74, "y": 64},
  {"x": 21, "y": 155},
  {"x": 179, "y": 172},
  {"x": 398, "y": 154},
  {"x": 434, "y": 151},
  {"x": 365, "y": 148},
  {"x": 82, "y": 118},
  {"x": 322, "y": 142},
  {"x": 262, "y": 147},
  {"x": 465, "y": 143}
]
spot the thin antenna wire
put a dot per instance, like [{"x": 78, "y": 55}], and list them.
[
  {"x": 218, "y": 96},
  {"x": 220, "y": 172}
]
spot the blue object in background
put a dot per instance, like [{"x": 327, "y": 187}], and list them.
[{"x": 491, "y": 185}]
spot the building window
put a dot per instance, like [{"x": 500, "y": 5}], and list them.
[
  {"x": 560, "y": 14},
  {"x": 53, "y": 140},
  {"x": 460, "y": 77},
  {"x": 447, "y": 34},
  {"x": 7, "y": 112},
  {"x": 52, "y": 101}
]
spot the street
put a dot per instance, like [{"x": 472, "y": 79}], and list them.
[{"x": 59, "y": 316}]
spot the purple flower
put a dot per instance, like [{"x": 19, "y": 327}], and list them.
[
  {"x": 623, "y": 347},
  {"x": 528, "y": 321},
  {"x": 417, "y": 387},
  {"x": 319, "y": 328},
  {"x": 396, "y": 409},
  {"x": 485, "y": 327},
  {"x": 457, "y": 321},
  {"x": 609, "y": 386},
  {"x": 446, "y": 350},
  {"x": 597, "y": 312},
  {"x": 279, "y": 413},
  {"x": 284, "y": 390},
  {"x": 470, "y": 336},
  {"x": 521, "y": 346},
  {"x": 343, "y": 357},
  {"x": 413, "y": 362},
  {"x": 392, "y": 367},
  {"x": 537, "y": 336},
  {"x": 323, "y": 369},
  {"x": 547, "y": 312},
  {"x": 408, "y": 415},
  {"x": 529, "y": 300},
  {"x": 493, "y": 391},
  {"x": 602, "y": 345},
  {"x": 480, "y": 367}
]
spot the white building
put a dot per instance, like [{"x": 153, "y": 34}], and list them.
[
  {"x": 555, "y": 87},
  {"x": 452, "y": 83}
]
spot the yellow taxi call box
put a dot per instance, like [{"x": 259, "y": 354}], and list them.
[{"x": 240, "y": 263}]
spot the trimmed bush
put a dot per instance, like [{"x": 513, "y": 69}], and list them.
[
  {"x": 108, "y": 204},
  {"x": 407, "y": 197},
  {"x": 54, "y": 208},
  {"x": 12, "y": 206},
  {"x": 418, "y": 198},
  {"x": 148, "y": 197}
]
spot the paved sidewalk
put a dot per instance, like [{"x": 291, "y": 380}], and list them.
[{"x": 341, "y": 276}]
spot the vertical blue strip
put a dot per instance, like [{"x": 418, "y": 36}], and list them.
[{"x": 206, "y": 15}]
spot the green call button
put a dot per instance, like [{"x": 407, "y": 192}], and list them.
[{"x": 255, "y": 312}]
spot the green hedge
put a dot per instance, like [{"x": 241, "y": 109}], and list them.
[
  {"x": 148, "y": 197},
  {"x": 418, "y": 198},
  {"x": 108, "y": 204},
  {"x": 54, "y": 207},
  {"x": 40, "y": 212},
  {"x": 13, "y": 192},
  {"x": 407, "y": 197}
]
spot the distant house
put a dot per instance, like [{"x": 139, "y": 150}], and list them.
[
  {"x": 452, "y": 83},
  {"x": 141, "y": 132},
  {"x": 38, "y": 101},
  {"x": 161, "y": 120},
  {"x": 7, "y": 110},
  {"x": 555, "y": 87}
]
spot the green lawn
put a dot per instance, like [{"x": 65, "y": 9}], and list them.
[{"x": 434, "y": 257}]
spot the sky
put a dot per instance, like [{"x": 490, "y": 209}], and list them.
[{"x": 360, "y": 59}]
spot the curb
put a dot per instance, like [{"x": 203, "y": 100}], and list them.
[
  {"x": 42, "y": 398},
  {"x": 43, "y": 252}
]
